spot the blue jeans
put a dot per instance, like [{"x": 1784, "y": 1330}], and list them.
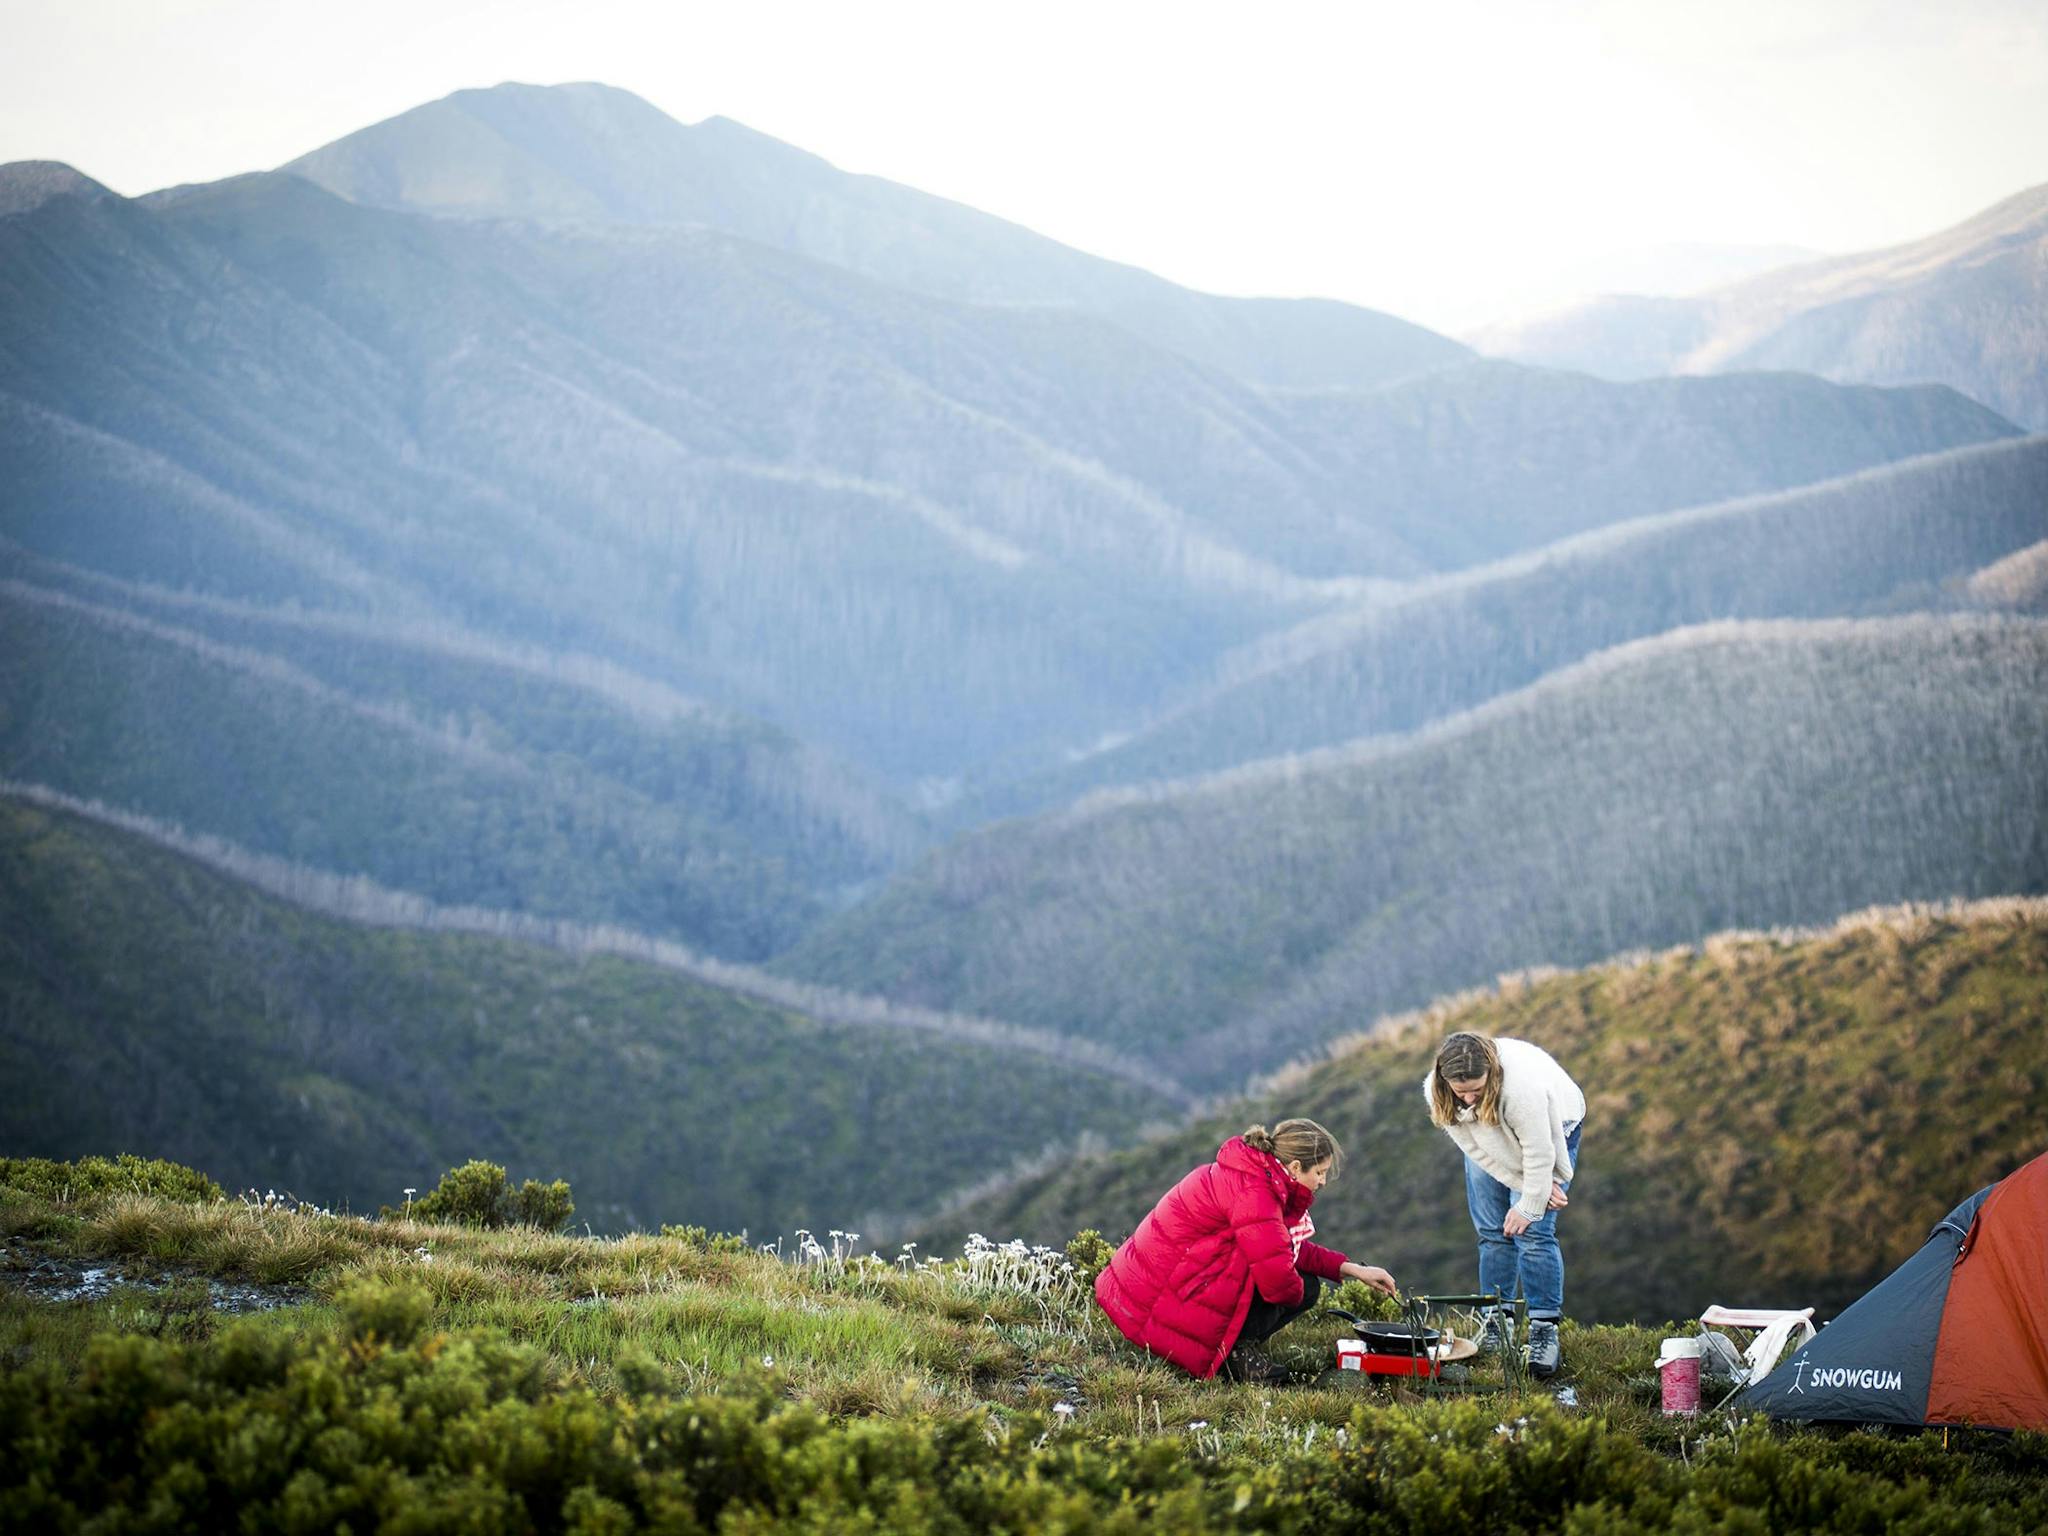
[{"x": 1531, "y": 1260}]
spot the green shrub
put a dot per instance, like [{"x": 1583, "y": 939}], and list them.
[
  {"x": 1463, "y": 1468},
  {"x": 91, "y": 1177},
  {"x": 1357, "y": 1296},
  {"x": 1089, "y": 1252},
  {"x": 477, "y": 1195},
  {"x": 546, "y": 1206},
  {"x": 376, "y": 1310},
  {"x": 382, "y": 1427},
  {"x": 706, "y": 1241},
  {"x": 385, "y": 1422},
  {"x": 472, "y": 1195}
]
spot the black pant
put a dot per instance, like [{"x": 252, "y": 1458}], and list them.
[{"x": 1267, "y": 1318}]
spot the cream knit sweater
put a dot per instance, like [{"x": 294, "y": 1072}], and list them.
[{"x": 1526, "y": 1150}]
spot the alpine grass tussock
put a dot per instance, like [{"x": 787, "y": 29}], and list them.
[{"x": 233, "y": 1239}]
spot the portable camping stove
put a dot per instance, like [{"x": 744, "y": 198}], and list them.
[{"x": 1407, "y": 1348}]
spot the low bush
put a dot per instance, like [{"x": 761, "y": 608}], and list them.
[
  {"x": 1356, "y": 1296},
  {"x": 92, "y": 1177},
  {"x": 385, "y": 1425},
  {"x": 1089, "y": 1252},
  {"x": 1437, "y": 1473},
  {"x": 706, "y": 1241},
  {"x": 380, "y": 1420},
  {"x": 546, "y": 1206},
  {"x": 478, "y": 1195}
]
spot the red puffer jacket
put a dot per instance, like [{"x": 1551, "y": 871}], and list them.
[{"x": 1181, "y": 1285}]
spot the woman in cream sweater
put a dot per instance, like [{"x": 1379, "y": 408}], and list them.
[{"x": 1515, "y": 1114}]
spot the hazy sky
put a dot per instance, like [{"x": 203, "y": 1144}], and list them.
[{"x": 1450, "y": 161}]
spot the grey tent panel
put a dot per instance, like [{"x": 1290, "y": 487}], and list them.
[{"x": 1873, "y": 1364}]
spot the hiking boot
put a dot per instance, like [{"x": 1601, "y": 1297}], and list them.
[
  {"x": 1249, "y": 1365},
  {"x": 1543, "y": 1348},
  {"x": 1496, "y": 1331}
]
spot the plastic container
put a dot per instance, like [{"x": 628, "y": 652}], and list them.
[
  {"x": 1351, "y": 1354},
  {"x": 1678, "y": 1364}
]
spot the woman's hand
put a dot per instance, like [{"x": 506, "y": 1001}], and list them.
[
  {"x": 1372, "y": 1275},
  {"x": 1558, "y": 1198},
  {"x": 1516, "y": 1223}
]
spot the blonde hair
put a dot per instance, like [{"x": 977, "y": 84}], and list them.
[
  {"x": 1298, "y": 1141},
  {"x": 1459, "y": 1059}
]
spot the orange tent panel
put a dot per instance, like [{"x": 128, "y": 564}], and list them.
[{"x": 1991, "y": 1356}]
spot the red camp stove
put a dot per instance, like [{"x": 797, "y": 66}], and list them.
[
  {"x": 1384, "y": 1365},
  {"x": 1414, "y": 1348},
  {"x": 1390, "y": 1349}
]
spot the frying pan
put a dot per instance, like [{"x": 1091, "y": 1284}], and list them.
[{"x": 1390, "y": 1338}]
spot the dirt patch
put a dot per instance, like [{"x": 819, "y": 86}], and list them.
[{"x": 44, "y": 1278}]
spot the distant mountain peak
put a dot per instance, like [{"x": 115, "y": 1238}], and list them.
[
  {"x": 28, "y": 184},
  {"x": 580, "y": 152},
  {"x": 589, "y": 154}
]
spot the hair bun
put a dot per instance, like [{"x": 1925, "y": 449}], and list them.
[{"x": 1259, "y": 1139}]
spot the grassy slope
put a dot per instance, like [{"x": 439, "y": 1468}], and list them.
[
  {"x": 1770, "y": 1122},
  {"x": 145, "y": 999},
  {"x": 1729, "y": 775},
  {"x": 952, "y": 1358}
]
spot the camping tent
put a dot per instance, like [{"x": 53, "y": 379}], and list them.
[{"x": 1958, "y": 1334}]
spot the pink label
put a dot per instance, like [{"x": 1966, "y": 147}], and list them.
[{"x": 1681, "y": 1385}]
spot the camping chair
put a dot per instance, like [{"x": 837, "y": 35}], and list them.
[{"x": 1772, "y": 1330}]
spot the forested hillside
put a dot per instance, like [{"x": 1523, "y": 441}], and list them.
[
  {"x": 147, "y": 999},
  {"x": 461, "y": 778},
  {"x": 2019, "y": 581},
  {"x": 1772, "y": 1120},
  {"x": 1911, "y": 535},
  {"x": 1735, "y": 774}
]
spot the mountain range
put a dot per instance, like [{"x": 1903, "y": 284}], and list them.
[
  {"x": 537, "y": 509},
  {"x": 777, "y": 485},
  {"x": 1963, "y": 307}
]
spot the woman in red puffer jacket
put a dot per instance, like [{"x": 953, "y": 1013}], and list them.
[{"x": 1224, "y": 1259}]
